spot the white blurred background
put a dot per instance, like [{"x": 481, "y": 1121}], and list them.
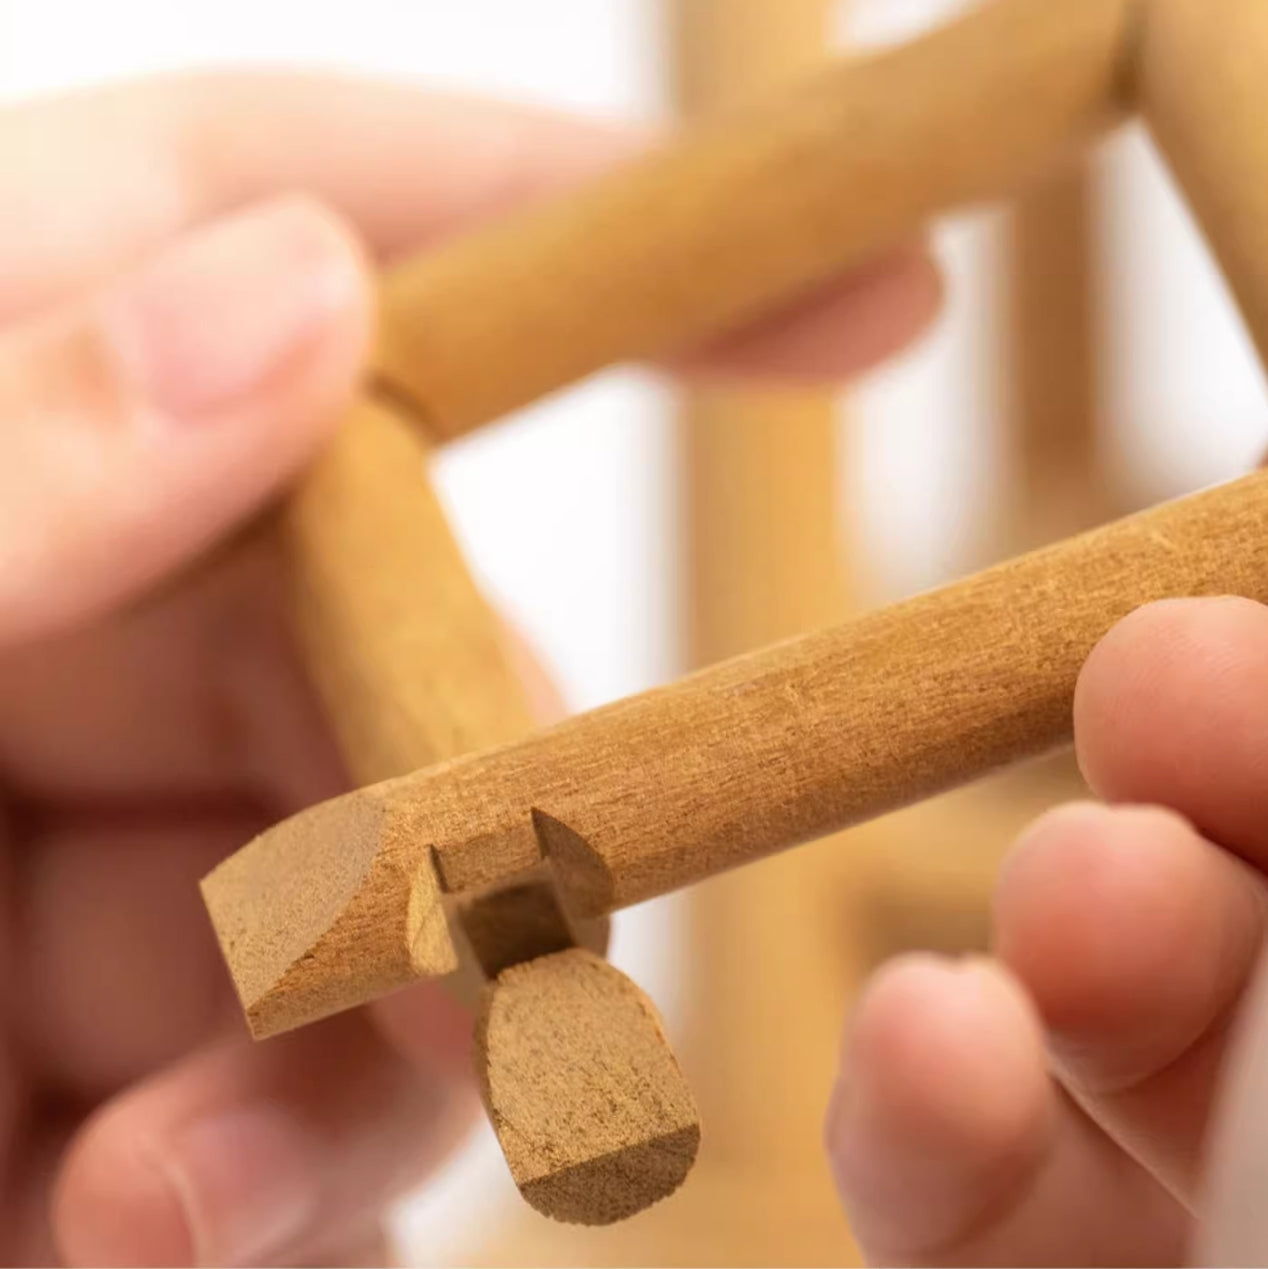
[{"x": 569, "y": 511}]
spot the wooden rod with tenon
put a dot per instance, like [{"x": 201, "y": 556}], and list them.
[{"x": 729, "y": 765}]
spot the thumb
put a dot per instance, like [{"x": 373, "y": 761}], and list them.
[{"x": 138, "y": 426}]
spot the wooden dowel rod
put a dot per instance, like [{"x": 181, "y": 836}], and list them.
[
  {"x": 729, "y": 765},
  {"x": 764, "y": 556},
  {"x": 408, "y": 658},
  {"x": 748, "y": 212},
  {"x": 1204, "y": 94},
  {"x": 1055, "y": 481}
]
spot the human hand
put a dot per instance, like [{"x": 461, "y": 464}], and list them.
[
  {"x": 1055, "y": 1105},
  {"x": 184, "y": 307}
]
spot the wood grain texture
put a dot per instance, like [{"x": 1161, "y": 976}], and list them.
[
  {"x": 599, "y": 1139},
  {"x": 744, "y": 213},
  {"x": 330, "y": 908},
  {"x": 750, "y": 757},
  {"x": 664, "y": 789},
  {"x": 1203, "y": 92},
  {"x": 515, "y": 923},
  {"x": 407, "y": 656}
]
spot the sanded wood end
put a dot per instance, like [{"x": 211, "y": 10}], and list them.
[{"x": 588, "y": 1102}]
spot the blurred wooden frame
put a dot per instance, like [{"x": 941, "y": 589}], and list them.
[{"x": 350, "y": 900}]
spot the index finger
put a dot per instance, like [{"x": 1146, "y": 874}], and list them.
[
  {"x": 91, "y": 182},
  {"x": 1167, "y": 710}
]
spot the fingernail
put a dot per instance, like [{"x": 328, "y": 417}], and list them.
[
  {"x": 246, "y": 1182},
  {"x": 216, "y": 316}
]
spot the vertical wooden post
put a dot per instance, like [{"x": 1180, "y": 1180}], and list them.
[
  {"x": 764, "y": 560},
  {"x": 1055, "y": 484},
  {"x": 766, "y": 556},
  {"x": 1056, "y": 478}
]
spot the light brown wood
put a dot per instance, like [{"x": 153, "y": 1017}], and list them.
[
  {"x": 726, "y": 54},
  {"x": 595, "y": 1140},
  {"x": 664, "y": 790},
  {"x": 1202, "y": 91},
  {"x": 1056, "y": 483},
  {"x": 765, "y": 536},
  {"x": 411, "y": 665},
  {"x": 765, "y": 560},
  {"x": 771, "y": 552},
  {"x": 747, "y": 212},
  {"x": 407, "y": 656},
  {"x": 944, "y": 850},
  {"x": 725, "y": 767},
  {"x": 512, "y": 924}
]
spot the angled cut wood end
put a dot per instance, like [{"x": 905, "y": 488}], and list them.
[
  {"x": 330, "y": 908},
  {"x": 368, "y": 892}
]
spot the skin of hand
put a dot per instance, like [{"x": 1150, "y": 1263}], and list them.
[
  {"x": 1096, "y": 1091},
  {"x": 185, "y": 305}
]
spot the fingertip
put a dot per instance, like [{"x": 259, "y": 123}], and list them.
[
  {"x": 1127, "y": 929},
  {"x": 942, "y": 1103},
  {"x": 344, "y": 339},
  {"x": 250, "y": 307},
  {"x": 113, "y": 1204},
  {"x": 899, "y": 296},
  {"x": 1149, "y": 692},
  {"x": 919, "y": 273},
  {"x": 340, "y": 256},
  {"x": 925, "y": 1023},
  {"x": 1067, "y": 889},
  {"x": 173, "y": 404},
  {"x": 895, "y": 305}
]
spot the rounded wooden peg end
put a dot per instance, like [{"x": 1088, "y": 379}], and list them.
[{"x": 586, "y": 1097}]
